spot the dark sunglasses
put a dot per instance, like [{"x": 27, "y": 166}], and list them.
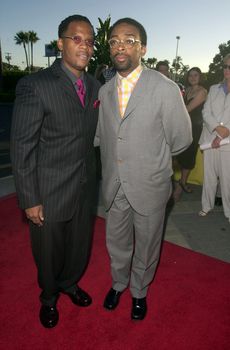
[
  {"x": 226, "y": 66},
  {"x": 78, "y": 40}
]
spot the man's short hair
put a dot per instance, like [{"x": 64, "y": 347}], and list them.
[
  {"x": 133, "y": 22},
  {"x": 74, "y": 18},
  {"x": 161, "y": 63}
]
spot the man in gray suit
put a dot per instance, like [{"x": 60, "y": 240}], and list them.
[
  {"x": 54, "y": 122},
  {"x": 142, "y": 123}
]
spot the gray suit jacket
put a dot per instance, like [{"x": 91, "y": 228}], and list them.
[
  {"x": 136, "y": 150},
  {"x": 52, "y": 141}
]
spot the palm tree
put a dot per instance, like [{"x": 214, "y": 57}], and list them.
[
  {"x": 150, "y": 62},
  {"x": 53, "y": 45},
  {"x": 52, "y": 50},
  {"x": 179, "y": 69},
  {"x": 32, "y": 38},
  {"x": 21, "y": 38},
  {"x": 101, "y": 48}
]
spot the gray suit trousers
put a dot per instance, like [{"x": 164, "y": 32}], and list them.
[{"x": 133, "y": 242}]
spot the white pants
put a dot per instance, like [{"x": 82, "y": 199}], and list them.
[{"x": 216, "y": 164}]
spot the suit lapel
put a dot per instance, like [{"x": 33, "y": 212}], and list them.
[
  {"x": 64, "y": 82},
  {"x": 67, "y": 85},
  {"x": 113, "y": 98},
  {"x": 89, "y": 90},
  {"x": 136, "y": 96}
]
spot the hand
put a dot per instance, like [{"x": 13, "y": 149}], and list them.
[
  {"x": 216, "y": 142},
  {"x": 35, "y": 214},
  {"x": 222, "y": 131}
]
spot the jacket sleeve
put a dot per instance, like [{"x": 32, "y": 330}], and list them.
[
  {"x": 208, "y": 117},
  {"x": 25, "y": 134},
  {"x": 176, "y": 121},
  {"x": 97, "y": 135}
]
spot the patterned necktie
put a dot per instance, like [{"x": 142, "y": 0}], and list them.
[
  {"x": 81, "y": 91},
  {"x": 124, "y": 92}
]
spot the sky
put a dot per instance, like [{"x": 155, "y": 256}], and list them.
[{"x": 202, "y": 25}]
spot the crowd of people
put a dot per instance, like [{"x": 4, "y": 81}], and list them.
[{"x": 142, "y": 123}]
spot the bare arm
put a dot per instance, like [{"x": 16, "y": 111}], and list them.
[
  {"x": 197, "y": 100},
  {"x": 223, "y": 131}
]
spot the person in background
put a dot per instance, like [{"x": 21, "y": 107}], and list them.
[
  {"x": 142, "y": 122},
  {"x": 216, "y": 116},
  {"x": 104, "y": 73},
  {"x": 99, "y": 73},
  {"x": 163, "y": 68},
  {"x": 109, "y": 73},
  {"x": 195, "y": 96},
  {"x": 54, "y": 122}
]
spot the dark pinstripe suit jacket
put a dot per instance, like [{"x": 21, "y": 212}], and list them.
[{"x": 52, "y": 141}]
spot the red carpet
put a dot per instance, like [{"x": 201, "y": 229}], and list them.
[{"x": 189, "y": 301}]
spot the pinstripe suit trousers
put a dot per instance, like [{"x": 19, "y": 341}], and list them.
[{"x": 61, "y": 250}]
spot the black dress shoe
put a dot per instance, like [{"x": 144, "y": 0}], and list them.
[
  {"x": 49, "y": 316},
  {"x": 139, "y": 309},
  {"x": 80, "y": 297},
  {"x": 112, "y": 299}
]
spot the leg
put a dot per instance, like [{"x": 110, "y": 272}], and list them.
[
  {"x": 182, "y": 185},
  {"x": 61, "y": 251},
  {"x": 224, "y": 177},
  {"x": 119, "y": 240},
  {"x": 78, "y": 243},
  {"x": 183, "y": 181},
  {"x": 148, "y": 238},
  {"x": 47, "y": 246},
  {"x": 210, "y": 179}
]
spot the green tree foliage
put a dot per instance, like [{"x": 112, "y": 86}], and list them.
[
  {"x": 54, "y": 46},
  {"x": 101, "y": 48},
  {"x": 32, "y": 38},
  {"x": 27, "y": 39},
  {"x": 179, "y": 70},
  {"x": 215, "y": 73},
  {"x": 21, "y": 38},
  {"x": 150, "y": 62},
  {"x": 9, "y": 67}
]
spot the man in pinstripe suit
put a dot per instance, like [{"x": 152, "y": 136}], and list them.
[{"x": 53, "y": 165}]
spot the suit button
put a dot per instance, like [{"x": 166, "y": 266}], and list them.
[{"x": 119, "y": 138}]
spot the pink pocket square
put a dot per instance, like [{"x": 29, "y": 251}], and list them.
[{"x": 96, "y": 104}]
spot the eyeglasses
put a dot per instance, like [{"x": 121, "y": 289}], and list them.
[
  {"x": 78, "y": 40},
  {"x": 127, "y": 43},
  {"x": 226, "y": 66}
]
